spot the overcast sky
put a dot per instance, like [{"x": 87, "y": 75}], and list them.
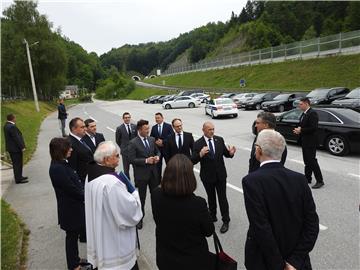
[{"x": 102, "y": 25}]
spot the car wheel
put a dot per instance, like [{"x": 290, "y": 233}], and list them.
[
  {"x": 212, "y": 115},
  {"x": 337, "y": 145},
  {"x": 258, "y": 106},
  {"x": 235, "y": 115},
  {"x": 281, "y": 108},
  {"x": 167, "y": 106},
  {"x": 191, "y": 105}
]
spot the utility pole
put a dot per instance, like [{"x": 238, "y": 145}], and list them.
[{"x": 32, "y": 74}]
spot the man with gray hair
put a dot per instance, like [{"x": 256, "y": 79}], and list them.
[
  {"x": 283, "y": 223},
  {"x": 112, "y": 210}
]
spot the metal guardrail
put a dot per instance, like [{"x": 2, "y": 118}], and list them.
[{"x": 342, "y": 43}]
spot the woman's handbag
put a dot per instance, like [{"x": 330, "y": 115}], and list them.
[{"x": 221, "y": 260}]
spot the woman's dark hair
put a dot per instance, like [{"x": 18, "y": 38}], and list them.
[
  {"x": 59, "y": 148},
  {"x": 179, "y": 178}
]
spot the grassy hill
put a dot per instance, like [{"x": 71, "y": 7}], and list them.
[{"x": 291, "y": 75}]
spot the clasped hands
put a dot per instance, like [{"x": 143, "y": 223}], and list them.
[{"x": 152, "y": 160}]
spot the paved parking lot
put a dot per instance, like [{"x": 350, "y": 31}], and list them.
[{"x": 337, "y": 203}]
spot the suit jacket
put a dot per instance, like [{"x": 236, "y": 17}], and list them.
[
  {"x": 283, "y": 222},
  {"x": 212, "y": 169},
  {"x": 137, "y": 156},
  {"x": 171, "y": 148},
  {"x": 80, "y": 157},
  {"x": 254, "y": 164},
  {"x": 14, "y": 141},
  {"x": 99, "y": 137},
  {"x": 182, "y": 225},
  {"x": 122, "y": 137},
  {"x": 69, "y": 195},
  {"x": 309, "y": 127},
  {"x": 62, "y": 111},
  {"x": 166, "y": 131}
]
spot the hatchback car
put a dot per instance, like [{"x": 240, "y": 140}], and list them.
[
  {"x": 338, "y": 128},
  {"x": 282, "y": 102},
  {"x": 351, "y": 100},
  {"x": 256, "y": 101},
  {"x": 181, "y": 102},
  {"x": 221, "y": 106},
  {"x": 325, "y": 95}
]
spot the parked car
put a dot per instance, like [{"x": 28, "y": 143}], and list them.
[
  {"x": 282, "y": 102},
  {"x": 256, "y": 101},
  {"x": 171, "y": 97},
  {"x": 182, "y": 102},
  {"x": 325, "y": 95},
  {"x": 201, "y": 96},
  {"x": 189, "y": 92},
  {"x": 351, "y": 100},
  {"x": 162, "y": 99},
  {"x": 221, "y": 106},
  {"x": 338, "y": 129},
  {"x": 240, "y": 99},
  {"x": 146, "y": 100},
  {"x": 227, "y": 95}
]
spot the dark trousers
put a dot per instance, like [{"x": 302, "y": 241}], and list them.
[
  {"x": 126, "y": 165},
  {"x": 142, "y": 185},
  {"x": 219, "y": 188},
  {"x": 72, "y": 249},
  {"x": 17, "y": 163},
  {"x": 311, "y": 164},
  {"x": 62, "y": 123}
]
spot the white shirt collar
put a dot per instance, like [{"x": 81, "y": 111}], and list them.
[
  {"x": 269, "y": 161},
  {"x": 75, "y": 136},
  {"x": 306, "y": 110},
  {"x": 91, "y": 136},
  {"x": 11, "y": 122},
  {"x": 141, "y": 137},
  {"x": 160, "y": 124}
]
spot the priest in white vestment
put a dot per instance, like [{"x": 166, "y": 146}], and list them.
[{"x": 112, "y": 209}]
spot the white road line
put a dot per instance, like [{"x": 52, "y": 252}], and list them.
[
  {"x": 354, "y": 175},
  {"x": 235, "y": 188},
  {"x": 296, "y": 161},
  {"x": 322, "y": 227},
  {"x": 92, "y": 118},
  {"x": 109, "y": 128}
]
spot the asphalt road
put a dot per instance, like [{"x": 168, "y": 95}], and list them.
[{"x": 337, "y": 203}]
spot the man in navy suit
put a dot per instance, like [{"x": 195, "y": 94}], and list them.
[
  {"x": 161, "y": 131},
  {"x": 283, "y": 223},
  {"x": 92, "y": 138},
  {"x": 307, "y": 132}
]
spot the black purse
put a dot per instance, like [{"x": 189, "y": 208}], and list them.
[{"x": 220, "y": 260}]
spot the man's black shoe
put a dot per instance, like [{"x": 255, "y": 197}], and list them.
[
  {"x": 214, "y": 219},
  {"x": 22, "y": 182},
  {"x": 318, "y": 185},
  {"x": 225, "y": 227},
  {"x": 24, "y": 177},
  {"x": 139, "y": 225}
]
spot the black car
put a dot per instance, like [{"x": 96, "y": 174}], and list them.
[
  {"x": 162, "y": 99},
  {"x": 325, "y": 95},
  {"x": 147, "y": 100},
  {"x": 154, "y": 99},
  {"x": 351, "y": 100},
  {"x": 256, "y": 101},
  {"x": 227, "y": 95},
  {"x": 338, "y": 129},
  {"x": 282, "y": 102}
]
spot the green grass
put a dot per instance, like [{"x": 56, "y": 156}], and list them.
[
  {"x": 291, "y": 75},
  {"x": 141, "y": 93},
  {"x": 28, "y": 121},
  {"x": 14, "y": 239}
]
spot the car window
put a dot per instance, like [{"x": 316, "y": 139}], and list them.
[
  {"x": 211, "y": 102},
  {"x": 332, "y": 93},
  {"x": 224, "y": 101},
  {"x": 186, "y": 98},
  {"x": 292, "y": 115},
  {"x": 326, "y": 117},
  {"x": 354, "y": 93}
]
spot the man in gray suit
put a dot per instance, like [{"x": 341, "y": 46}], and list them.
[
  {"x": 124, "y": 134},
  {"x": 144, "y": 155}
]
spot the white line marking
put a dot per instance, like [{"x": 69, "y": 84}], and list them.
[
  {"x": 109, "y": 128},
  {"x": 354, "y": 175},
  {"x": 235, "y": 188},
  {"x": 93, "y": 118},
  {"x": 322, "y": 227},
  {"x": 246, "y": 148},
  {"x": 296, "y": 161}
]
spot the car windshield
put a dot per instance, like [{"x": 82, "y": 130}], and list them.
[
  {"x": 223, "y": 101},
  {"x": 354, "y": 93},
  {"x": 258, "y": 96},
  {"x": 282, "y": 97},
  {"x": 318, "y": 93}
]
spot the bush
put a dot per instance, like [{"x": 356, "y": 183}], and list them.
[{"x": 85, "y": 98}]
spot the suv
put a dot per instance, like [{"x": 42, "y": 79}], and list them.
[
  {"x": 282, "y": 102},
  {"x": 256, "y": 101},
  {"x": 325, "y": 95}
]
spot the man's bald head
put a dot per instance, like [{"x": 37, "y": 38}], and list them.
[{"x": 208, "y": 129}]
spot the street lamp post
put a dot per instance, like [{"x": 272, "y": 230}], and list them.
[{"x": 32, "y": 74}]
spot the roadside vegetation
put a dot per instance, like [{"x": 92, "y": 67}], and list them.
[{"x": 141, "y": 93}]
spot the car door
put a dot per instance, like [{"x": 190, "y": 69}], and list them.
[
  {"x": 176, "y": 103},
  {"x": 209, "y": 106},
  {"x": 286, "y": 123}
]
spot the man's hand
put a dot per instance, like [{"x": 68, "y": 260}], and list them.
[
  {"x": 297, "y": 130},
  {"x": 159, "y": 142},
  {"x": 150, "y": 160},
  {"x": 204, "y": 151},
  {"x": 156, "y": 159},
  {"x": 231, "y": 150},
  {"x": 288, "y": 266}
]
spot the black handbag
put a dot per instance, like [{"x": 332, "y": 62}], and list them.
[{"x": 220, "y": 259}]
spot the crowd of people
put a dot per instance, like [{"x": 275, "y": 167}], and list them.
[{"x": 105, "y": 208}]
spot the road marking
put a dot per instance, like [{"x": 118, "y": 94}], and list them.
[
  {"x": 354, "y": 175},
  {"x": 109, "y": 128},
  {"x": 92, "y": 118},
  {"x": 235, "y": 188},
  {"x": 322, "y": 227},
  {"x": 296, "y": 161}
]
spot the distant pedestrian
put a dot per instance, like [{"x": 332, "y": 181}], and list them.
[
  {"x": 15, "y": 145},
  {"x": 92, "y": 138},
  {"x": 113, "y": 209},
  {"x": 182, "y": 219},
  {"x": 307, "y": 132},
  {"x": 70, "y": 198},
  {"x": 62, "y": 115}
]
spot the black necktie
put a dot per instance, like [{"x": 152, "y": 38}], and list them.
[
  {"x": 159, "y": 130},
  {"x": 212, "y": 152},
  {"x": 129, "y": 131},
  {"x": 180, "y": 142},
  {"x": 302, "y": 117},
  {"x": 147, "y": 146}
]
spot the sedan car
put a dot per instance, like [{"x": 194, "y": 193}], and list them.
[
  {"x": 227, "y": 95},
  {"x": 256, "y": 101},
  {"x": 282, "y": 102},
  {"x": 351, "y": 100},
  {"x": 221, "y": 106},
  {"x": 181, "y": 102},
  {"x": 338, "y": 129},
  {"x": 201, "y": 96},
  {"x": 243, "y": 97},
  {"x": 325, "y": 95}
]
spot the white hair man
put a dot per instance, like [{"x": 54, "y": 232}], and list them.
[
  {"x": 283, "y": 224},
  {"x": 112, "y": 210}
]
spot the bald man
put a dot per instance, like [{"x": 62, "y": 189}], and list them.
[{"x": 210, "y": 151}]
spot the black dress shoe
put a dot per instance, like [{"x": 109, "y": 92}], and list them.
[
  {"x": 139, "y": 225},
  {"x": 225, "y": 227},
  {"x": 22, "y": 182},
  {"x": 318, "y": 185},
  {"x": 24, "y": 177},
  {"x": 214, "y": 219}
]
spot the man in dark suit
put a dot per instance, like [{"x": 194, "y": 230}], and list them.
[
  {"x": 283, "y": 224},
  {"x": 144, "y": 155},
  {"x": 180, "y": 142},
  {"x": 307, "y": 132},
  {"x": 62, "y": 115},
  {"x": 81, "y": 154},
  {"x": 161, "y": 131},
  {"x": 210, "y": 151},
  {"x": 264, "y": 120},
  {"x": 15, "y": 145},
  {"x": 124, "y": 134},
  {"x": 92, "y": 138}
]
